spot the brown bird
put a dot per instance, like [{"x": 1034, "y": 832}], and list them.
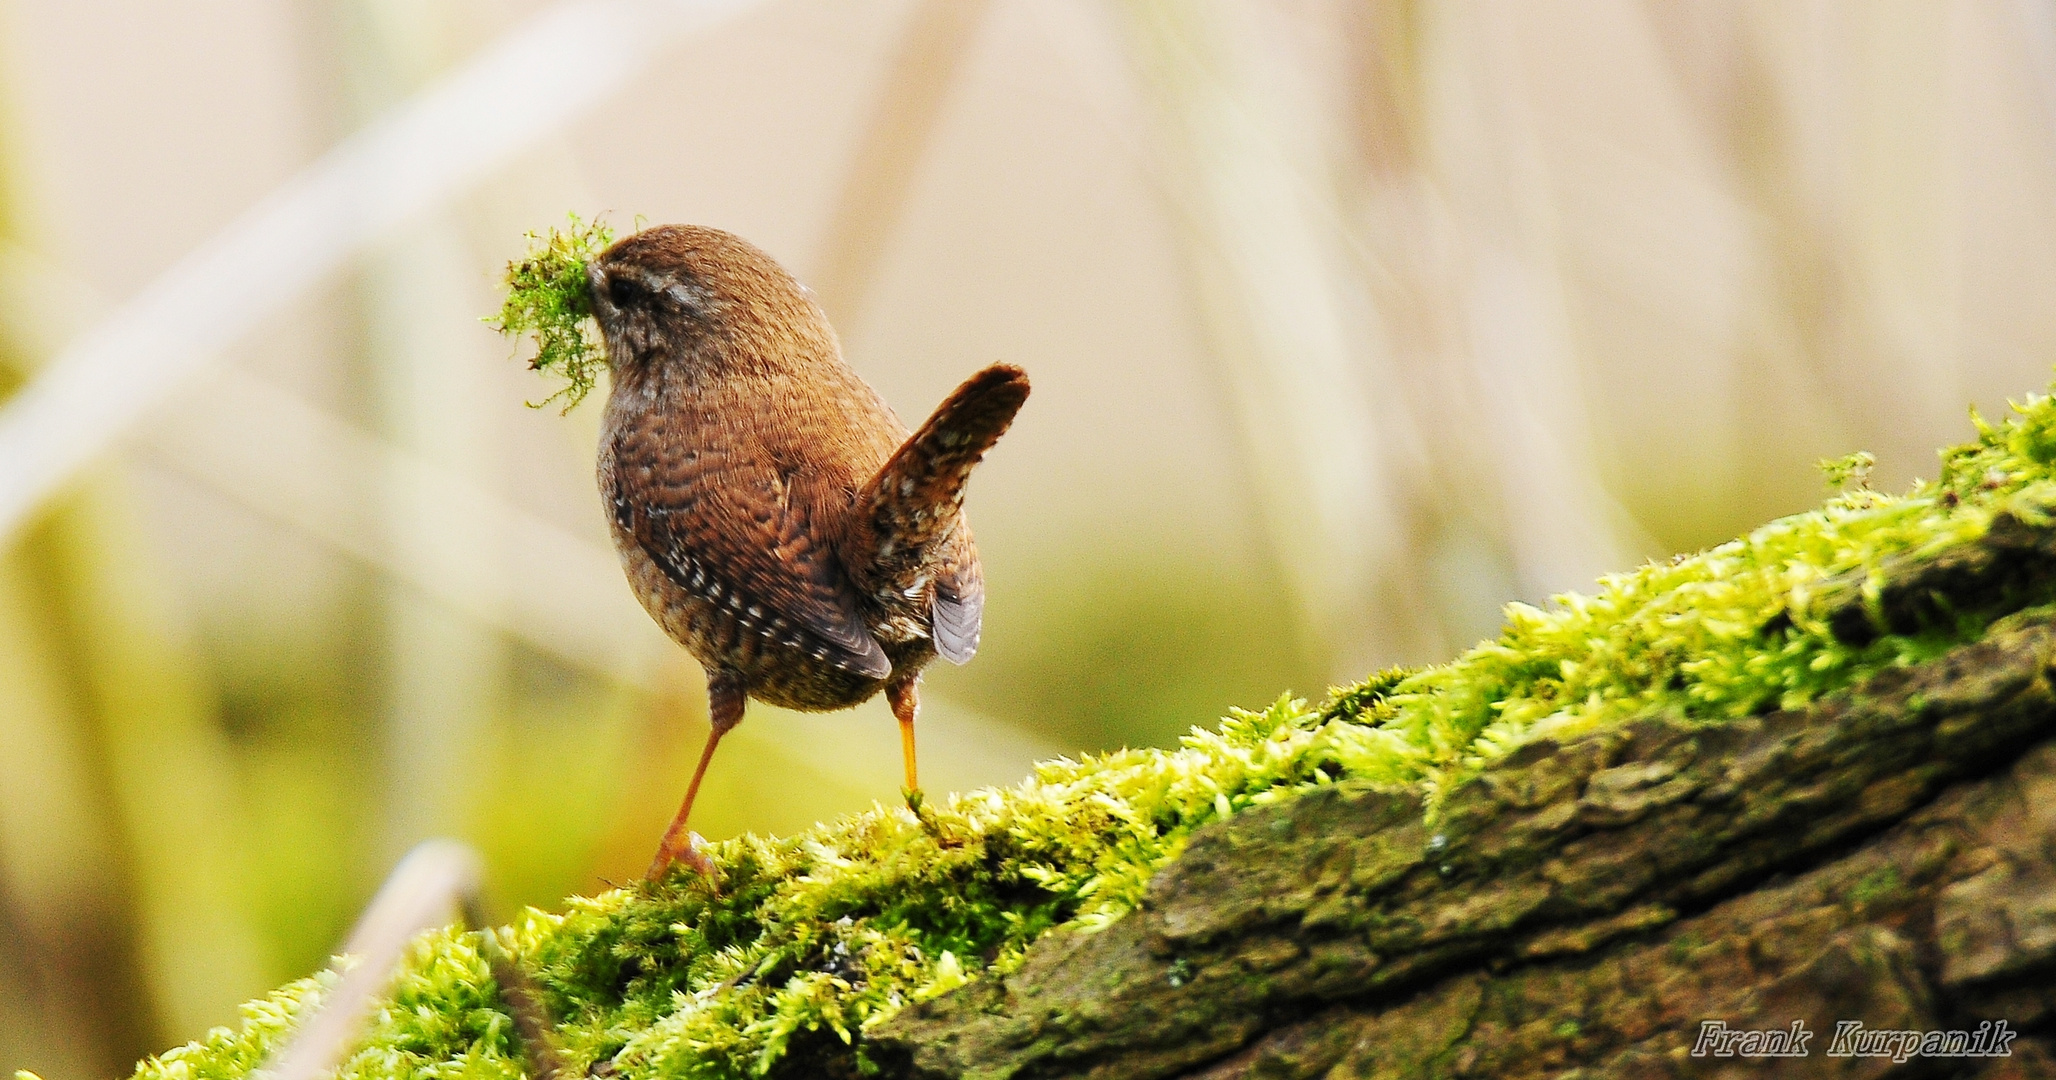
[{"x": 773, "y": 515}]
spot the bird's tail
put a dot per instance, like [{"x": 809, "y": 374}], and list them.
[{"x": 913, "y": 502}]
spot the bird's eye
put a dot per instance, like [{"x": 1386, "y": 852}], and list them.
[{"x": 625, "y": 291}]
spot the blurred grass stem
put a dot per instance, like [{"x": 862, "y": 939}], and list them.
[{"x": 435, "y": 145}]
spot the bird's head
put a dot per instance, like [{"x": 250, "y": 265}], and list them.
[{"x": 691, "y": 297}]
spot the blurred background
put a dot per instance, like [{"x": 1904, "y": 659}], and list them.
[{"x": 1349, "y": 320}]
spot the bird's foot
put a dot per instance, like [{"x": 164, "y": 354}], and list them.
[
  {"x": 689, "y": 853},
  {"x": 930, "y": 823}
]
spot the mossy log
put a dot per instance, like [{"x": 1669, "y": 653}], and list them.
[
  {"x": 1887, "y": 856},
  {"x": 1805, "y": 777}
]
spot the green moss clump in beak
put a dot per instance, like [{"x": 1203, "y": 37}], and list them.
[{"x": 547, "y": 296}]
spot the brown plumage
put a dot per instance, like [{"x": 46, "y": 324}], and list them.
[{"x": 772, "y": 514}]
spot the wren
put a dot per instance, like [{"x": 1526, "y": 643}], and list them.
[{"x": 771, "y": 512}]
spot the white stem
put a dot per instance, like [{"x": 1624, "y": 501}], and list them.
[
  {"x": 436, "y": 145},
  {"x": 434, "y": 881}
]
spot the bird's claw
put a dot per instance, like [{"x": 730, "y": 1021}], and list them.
[
  {"x": 690, "y": 854},
  {"x": 930, "y": 823}
]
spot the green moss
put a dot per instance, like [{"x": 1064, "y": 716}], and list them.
[
  {"x": 226, "y": 1052},
  {"x": 1841, "y": 471},
  {"x": 813, "y": 938},
  {"x": 547, "y": 297},
  {"x": 1879, "y": 884}
]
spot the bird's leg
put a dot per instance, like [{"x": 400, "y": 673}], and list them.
[
  {"x": 906, "y": 703},
  {"x": 726, "y": 694}
]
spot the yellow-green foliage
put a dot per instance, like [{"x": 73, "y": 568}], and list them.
[
  {"x": 813, "y": 938},
  {"x": 547, "y": 297}
]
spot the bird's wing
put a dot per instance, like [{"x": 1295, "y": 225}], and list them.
[{"x": 732, "y": 528}]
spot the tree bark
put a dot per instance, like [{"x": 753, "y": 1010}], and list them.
[{"x": 1886, "y": 856}]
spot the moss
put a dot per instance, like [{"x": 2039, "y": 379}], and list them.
[
  {"x": 1880, "y": 884},
  {"x": 814, "y": 938},
  {"x": 1841, "y": 471},
  {"x": 548, "y": 298},
  {"x": 225, "y": 1052}
]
